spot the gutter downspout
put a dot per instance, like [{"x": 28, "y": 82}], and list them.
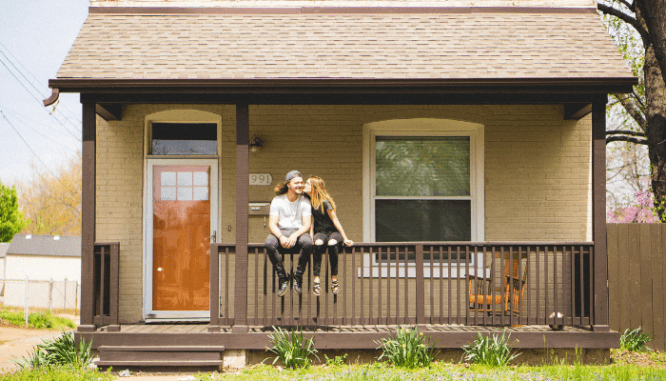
[{"x": 55, "y": 93}]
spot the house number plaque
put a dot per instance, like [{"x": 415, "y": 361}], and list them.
[{"x": 260, "y": 179}]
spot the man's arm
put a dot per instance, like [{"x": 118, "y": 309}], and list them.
[
  {"x": 307, "y": 222},
  {"x": 272, "y": 226}
]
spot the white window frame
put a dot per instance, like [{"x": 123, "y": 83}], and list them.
[{"x": 424, "y": 127}]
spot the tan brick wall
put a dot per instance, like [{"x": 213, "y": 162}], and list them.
[
  {"x": 347, "y": 3},
  {"x": 536, "y": 171}
]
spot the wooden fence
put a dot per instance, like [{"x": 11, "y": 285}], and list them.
[{"x": 637, "y": 279}]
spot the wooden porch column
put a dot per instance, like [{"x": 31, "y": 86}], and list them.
[
  {"x": 242, "y": 205},
  {"x": 89, "y": 126},
  {"x": 600, "y": 275}
]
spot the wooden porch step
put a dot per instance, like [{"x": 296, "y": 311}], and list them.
[{"x": 160, "y": 355}]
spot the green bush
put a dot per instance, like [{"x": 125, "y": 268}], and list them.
[
  {"x": 294, "y": 351},
  {"x": 62, "y": 350},
  {"x": 490, "y": 350},
  {"x": 407, "y": 349},
  {"x": 634, "y": 340},
  {"x": 336, "y": 361}
]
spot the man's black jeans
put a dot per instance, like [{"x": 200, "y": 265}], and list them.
[{"x": 273, "y": 250}]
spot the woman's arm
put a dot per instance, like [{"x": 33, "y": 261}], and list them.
[{"x": 338, "y": 225}]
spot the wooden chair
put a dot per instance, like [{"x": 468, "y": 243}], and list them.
[{"x": 481, "y": 296}]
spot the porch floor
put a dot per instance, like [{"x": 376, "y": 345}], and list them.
[{"x": 452, "y": 336}]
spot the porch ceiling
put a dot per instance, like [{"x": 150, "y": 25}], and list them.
[{"x": 231, "y": 48}]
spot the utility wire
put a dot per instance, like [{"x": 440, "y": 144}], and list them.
[
  {"x": 35, "y": 98},
  {"x": 26, "y": 143},
  {"x": 47, "y": 137},
  {"x": 71, "y": 114}
]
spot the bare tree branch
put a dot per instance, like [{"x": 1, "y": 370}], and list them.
[
  {"x": 624, "y": 132},
  {"x": 626, "y": 18},
  {"x": 634, "y": 110},
  {"x": 627, "y": 139}
]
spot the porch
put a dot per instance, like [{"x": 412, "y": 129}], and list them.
[{"x": 383, "y": 286}]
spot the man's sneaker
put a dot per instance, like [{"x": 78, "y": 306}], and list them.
[
  {"x": 297, "y": 285},
  {"x": 284, "y": 285}
]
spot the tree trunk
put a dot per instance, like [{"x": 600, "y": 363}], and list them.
[{"x": 655, "y": 94}]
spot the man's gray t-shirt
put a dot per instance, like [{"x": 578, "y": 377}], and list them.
[{"x": 290, "y": 214}]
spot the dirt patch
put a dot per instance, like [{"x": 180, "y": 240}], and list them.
[{"x": 646, "y": 359}]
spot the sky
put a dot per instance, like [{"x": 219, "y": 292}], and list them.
[{"x": 35, "y": 36}]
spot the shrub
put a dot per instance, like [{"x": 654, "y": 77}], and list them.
[
  {"x": 634, "y": 340},
  {"x": 408, "y": 349},
  {"x": 294, "y": 351},
  {"x": 336, "y": 361},
  {"x": 490, "y": 350},
  {"x": 60, "y": 351}
]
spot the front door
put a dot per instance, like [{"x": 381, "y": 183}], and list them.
[{"x": 182, "y": 214}]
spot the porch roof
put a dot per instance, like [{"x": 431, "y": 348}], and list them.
[{"x": 431, "y": 45}]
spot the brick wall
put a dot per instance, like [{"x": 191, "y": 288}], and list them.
[{"x": 536, "y": 171}]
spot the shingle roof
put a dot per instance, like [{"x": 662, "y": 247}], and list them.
[
  {"x": 445, "y": 45},
  {"x": 63, "y": 246}
]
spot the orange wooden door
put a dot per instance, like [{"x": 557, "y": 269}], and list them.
[{"x": 181, "y": 247}]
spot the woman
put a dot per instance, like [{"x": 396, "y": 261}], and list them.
[{"x": 327, "y": 232}]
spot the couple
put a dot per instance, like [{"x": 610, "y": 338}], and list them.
[{"x": 291, "y": 226}]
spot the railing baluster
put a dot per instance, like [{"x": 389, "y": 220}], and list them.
[
  {"x": 593, "y": 275},
  {"x": 379, "y": 284},
  {"x": 441, "y": 284},
  {"x": 449, "y": 319},
  {"x": 432, "y": 285},
  {"x": 102, "y": 286},
  {"x": 406, "y": 284}
]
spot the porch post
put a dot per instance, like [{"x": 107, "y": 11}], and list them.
[
  {"x": 242, "y": 205},
  {"x": 88, "y": 218},
  {"x": 600, "y": 275}
]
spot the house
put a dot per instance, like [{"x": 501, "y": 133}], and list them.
[
  {"x": 48, "y": 262},
  {"x": 457, "y": 137}
]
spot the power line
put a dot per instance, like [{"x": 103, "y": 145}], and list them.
[
  {"x": 26, "y": 143},
  {"x": 35, "y": 130},
  {"x": 71, "y": 114},
  {"x": 35, "y": 98}
]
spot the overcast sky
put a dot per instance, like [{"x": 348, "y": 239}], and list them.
[{"x": 35, "y": 36}]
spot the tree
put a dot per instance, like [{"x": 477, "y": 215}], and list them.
[
  {"x": 647, "y": 104},
  {"x": 11, "y": 218},
  {"x": 53, "y": 203}
]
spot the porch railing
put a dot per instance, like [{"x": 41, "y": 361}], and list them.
[
  {"x": 415, "y": 283},
  {"x": 105, "y": 281}
]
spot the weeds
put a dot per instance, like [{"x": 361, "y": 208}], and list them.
[
  {"x": 294, "y": 351},
  {"x": 490, "y": 350},
  {"x": 63, "y": 350},
  {"x": 35, "y": 320},
  {"x": 336, "y": 361},
  {"x": 408, "y": 349},
  {"x": 58, "y": 373},
  {"x": 635, "y": 340}
]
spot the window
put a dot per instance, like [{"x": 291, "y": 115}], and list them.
[
  {"x": 423, "y": 182},
  {"x": 184, "y": 139},
  {"x": 422, "y": 188}
]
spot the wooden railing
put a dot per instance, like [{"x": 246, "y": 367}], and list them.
[
  {"x": 105, "y": 281},
  {"x": 414, "y": 283}
]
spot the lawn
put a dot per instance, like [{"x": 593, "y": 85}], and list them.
[
  {"x": 625, "y": 366},
  {"x": 38, "y": 319}
]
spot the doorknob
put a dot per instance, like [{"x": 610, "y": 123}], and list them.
[{"x": 214, "y": 236}]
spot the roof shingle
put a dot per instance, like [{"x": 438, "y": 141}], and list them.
[{"x": 338, "y": 45}]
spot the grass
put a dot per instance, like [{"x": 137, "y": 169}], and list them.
[
  {"x": 441, "y": 371},
  {"x": 58, "y": 373},
  {"x": 39, "y": 319}
]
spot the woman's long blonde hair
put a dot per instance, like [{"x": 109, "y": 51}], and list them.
[{"x": 319, "y": 194}]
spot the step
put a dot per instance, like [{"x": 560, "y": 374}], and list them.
[{"x": 160, "y": 355}]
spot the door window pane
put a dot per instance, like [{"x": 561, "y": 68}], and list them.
[
  {"x": 184, "y": 139},
  {"x": 422, "y": 166},
  {"x": 423, "y": 220}
]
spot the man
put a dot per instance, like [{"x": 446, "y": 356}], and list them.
[{"x": 289, "y": 224}]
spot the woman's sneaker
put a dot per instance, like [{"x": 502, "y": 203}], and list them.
[{"x": 298, "y": 285}]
